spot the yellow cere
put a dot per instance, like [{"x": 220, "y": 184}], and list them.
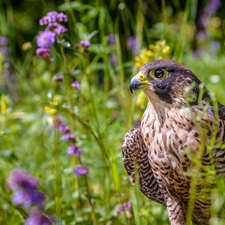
[{"x": 141, "y": 77}]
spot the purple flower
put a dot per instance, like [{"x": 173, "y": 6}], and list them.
[
  {"x": 61, "y": 17},
  {"x": 202, "y": 21},
  {"x": 4, "y": 50},
  {"x": 85, "y": 43},
  {"x": 76, "y": 85},
  {"x": 212, "y": 7},
  {"x": 55, "y": 122},
  {"x": 113, "y": 59},
  {"x": 38, "y": 218},
  {"x": 58, "y": 78},
  {"x": 214, "y": 47},
  {"x": 132, "y": 44},
  {"x": 112, "y": 39},
  {"x": 201, "y": 35},
  {"x": 118, "y": 209},
  {"x": 73, "y": 149},
  {"x": 63, "y": 128},
  {"x": 67, "y": 137},
  {"x": 28, "y": 197},
  {"x": 4, "y": 41},
  {"x": 57, "y": 28},
  {"x": 21, "y": 179},
  {"x": 76, "y": 46},
  {"x": 43, "y": 52},
  {"x": 198, "y": 52},
  {"x": 52, "y": 17},
  {"x": 45, "y": 39},
  {"x": 81, "y": 170},
  {"x": 25, "y": 187},
  {"x": 127, "y": 205}
]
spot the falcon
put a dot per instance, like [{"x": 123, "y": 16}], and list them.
[{"x": 178, "y": 147}]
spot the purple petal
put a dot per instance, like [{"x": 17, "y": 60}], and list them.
[
  {"x": 57, "y": 28},
  {"x": 85, "y": 43},
  {"x": 43, "y": 52},
  {"x": 76, "y": 85},
  {"x": 127, "y": 205},
  {"x": 37, "y": 218},
  {"x": 20, "y": 178},
  {"x": 58, "y": 78},
  {"x": 73, "y": 149},
  {"x": 132, "y": 44},
  {"x": 52, "y": 17},
  {"x": 63, "y": 128},
  {"x": 67, "y": 137},
  {"x": 45, "y": 39},
  {"x": 4, "y": 41},
  {"x": 81, "y": 170},
  {"x": 112, "y": 39}
]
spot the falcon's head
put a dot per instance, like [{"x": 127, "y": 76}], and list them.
[{"x": 168, "y": 81}]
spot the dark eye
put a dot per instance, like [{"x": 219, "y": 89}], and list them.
[{"x": 159, "y": 73}]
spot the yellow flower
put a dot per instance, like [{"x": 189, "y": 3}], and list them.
[
  {"x": 137, "y": 58},
  {"x": 150, "y": 53},
  {"x": 54, "y": 121},
  {"x": 161, "y": 43},
  {"x": 166, "y": 50},
  {"x": 4, "y": 102},
  {"x": 141, "y": 100},
  {"x": 151, "y": 46},
  {"x": 50, "y": 109},
  {"x": 157, "y": 51},
  {"x": 138, "y": 64}
]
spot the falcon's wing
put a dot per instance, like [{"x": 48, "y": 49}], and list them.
[{"x": 135, "y": 152}]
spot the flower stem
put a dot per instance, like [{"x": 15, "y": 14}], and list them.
[{"x": 89, "y": 197}]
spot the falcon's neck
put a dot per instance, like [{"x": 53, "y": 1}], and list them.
[{"x": 156, "y": 112}]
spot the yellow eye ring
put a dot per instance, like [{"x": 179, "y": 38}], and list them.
[{"x": 158, "y": 73}]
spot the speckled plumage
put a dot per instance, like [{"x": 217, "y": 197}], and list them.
[{"x": 177, "y": 124}]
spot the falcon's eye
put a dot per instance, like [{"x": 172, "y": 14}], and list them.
[{"x": 158, "y": 73}]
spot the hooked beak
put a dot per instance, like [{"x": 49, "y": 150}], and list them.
[{"x": 139, "y": 81}]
